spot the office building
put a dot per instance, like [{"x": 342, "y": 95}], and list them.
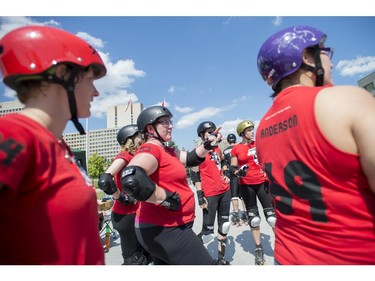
[
  {"x": 101, "y": 141},
  {"x": 10, "y": 107},
  {"x": 368, "y": 83}
]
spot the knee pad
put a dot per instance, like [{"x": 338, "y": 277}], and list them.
[
  {"x": 224, "y": 228},
  {"x": 254, "y": 218},
  {"x": 270, "y": 215}
]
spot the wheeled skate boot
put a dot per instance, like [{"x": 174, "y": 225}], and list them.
[
  {"x": 222, "y": 261},
  {"x": 244, "y": 218},
  {"x": 259, "y": 255},
  {"x": 221, "y": 252},
  {"x": 235, "y": 219}
]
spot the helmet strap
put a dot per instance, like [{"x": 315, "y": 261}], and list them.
[
  {"x": 318, "y": 69},
  {"x": 245, "y": 137},
  {"x": 158, "y": 137},
  {"x": 69, "y": 87}
]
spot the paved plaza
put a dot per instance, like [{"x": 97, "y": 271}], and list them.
[{"x": 240, "y": 246}]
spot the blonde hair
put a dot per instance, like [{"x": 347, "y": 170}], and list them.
[{"x": 132, "y": 144}]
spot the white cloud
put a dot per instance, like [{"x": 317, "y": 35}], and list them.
[
  {"x": 277, "y": 21},
  {"x": 113, "y": 88},
  {"x": 229, "y": 127},
  {"x": 93, "y": 41},
  {"x": 9, "y": 23},
  {"x": 100, "y": 104},
  {"x": 183, "y": 109},
  {"x": 171, "y": 90},
  {"x": 174, "y": 89},
  {"x": 356, "y": 66},
  {"x": 190, "y": 119},
  {"x": 9, "y": 93}
]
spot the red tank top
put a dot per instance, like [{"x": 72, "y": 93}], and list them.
[
  {"x": 246, "y": 155},
  {"x": 48, "y": 209},
  {"x": 118, "y": 207},
  {"x": 212, "y": 177},
  {"x": 325, "y": 209},
  {"x": 170, "y": 175}
]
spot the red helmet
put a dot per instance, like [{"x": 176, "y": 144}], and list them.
[{"x": 32, "y": 50}]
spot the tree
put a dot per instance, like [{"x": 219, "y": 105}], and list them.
[
  {"x": 172, "y": 144},
  {"x": 96, "y": 165}
]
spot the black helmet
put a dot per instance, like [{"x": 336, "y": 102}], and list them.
[
  {"x": 204, "y": 126},
  {"x": 231, "y": 138},
  {"x": 126, "y": 132},
  {"x": 150, "y": 115}
]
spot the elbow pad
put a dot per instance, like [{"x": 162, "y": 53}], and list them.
[
  {"x": 137, "y": 183},
  {"x": 195, "y": 177},
  {"x": 107, "y": 184},
  {"x": 192, "y": 159}
]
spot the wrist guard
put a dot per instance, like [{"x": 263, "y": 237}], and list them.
[
  {"x": 242, "y": 171},
  {"x": 226, "y": 173},
  {"x": 208, "y": 145},
  {"x": 107, "y": 184},
  {"x": 126, "y": 199},
  {"x": 232, "y": 169},
  {"x": 200, "y": 196},
  {"x": 172, "y": 201}
]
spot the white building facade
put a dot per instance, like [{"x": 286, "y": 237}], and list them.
[{"x": 102, "y": 141}]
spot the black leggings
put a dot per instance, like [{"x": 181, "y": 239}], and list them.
[
  {"x": 219, "y": 204},
  {"x": 124, "y": 224},
  {"x": 177, "y": 245},
  {"x": 234, "y": 187},
  {"x": 250, "y": 193}
]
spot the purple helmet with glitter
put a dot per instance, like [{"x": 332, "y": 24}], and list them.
[{"x": 281, "y": 54}]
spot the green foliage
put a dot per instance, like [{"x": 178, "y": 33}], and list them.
[
  {"x": 96, "y": 165},
  {"x": 172, "y": 144}
]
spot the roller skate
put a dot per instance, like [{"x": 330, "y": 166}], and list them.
[
  {"x": 205, "y": 238},
  {"x": 235, "y": 219},
  {"x": 222, "y": 261},
  {"x": 221, "y": 254},
  {"x": 259, "y": 255},
  {"x": 244, "y": 218}
]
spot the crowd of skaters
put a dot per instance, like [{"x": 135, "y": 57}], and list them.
[{"x": 313, "y": 179}]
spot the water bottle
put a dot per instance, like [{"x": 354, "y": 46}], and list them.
[{"x": 107, "y": 238}]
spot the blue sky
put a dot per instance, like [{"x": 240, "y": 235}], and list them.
[{"x": 204, "y": 67}]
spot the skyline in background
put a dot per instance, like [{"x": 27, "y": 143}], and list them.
[{"x": 202, "y": 68}]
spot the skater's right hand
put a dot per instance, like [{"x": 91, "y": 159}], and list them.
[
  {"x": 242, "y": 171},
  {"x": 202, "y": 201}
]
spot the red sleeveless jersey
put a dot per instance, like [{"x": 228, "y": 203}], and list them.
[
  {"x": 212, "y": 177},
  {"x": 170, "y": 175},
  {"x": 324, "y": 207},
  {"x": 48, "y": 209},
  {"x": 246, "y": 155}
]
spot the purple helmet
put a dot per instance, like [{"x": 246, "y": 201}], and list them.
[{"x": 281, "y": 54}]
